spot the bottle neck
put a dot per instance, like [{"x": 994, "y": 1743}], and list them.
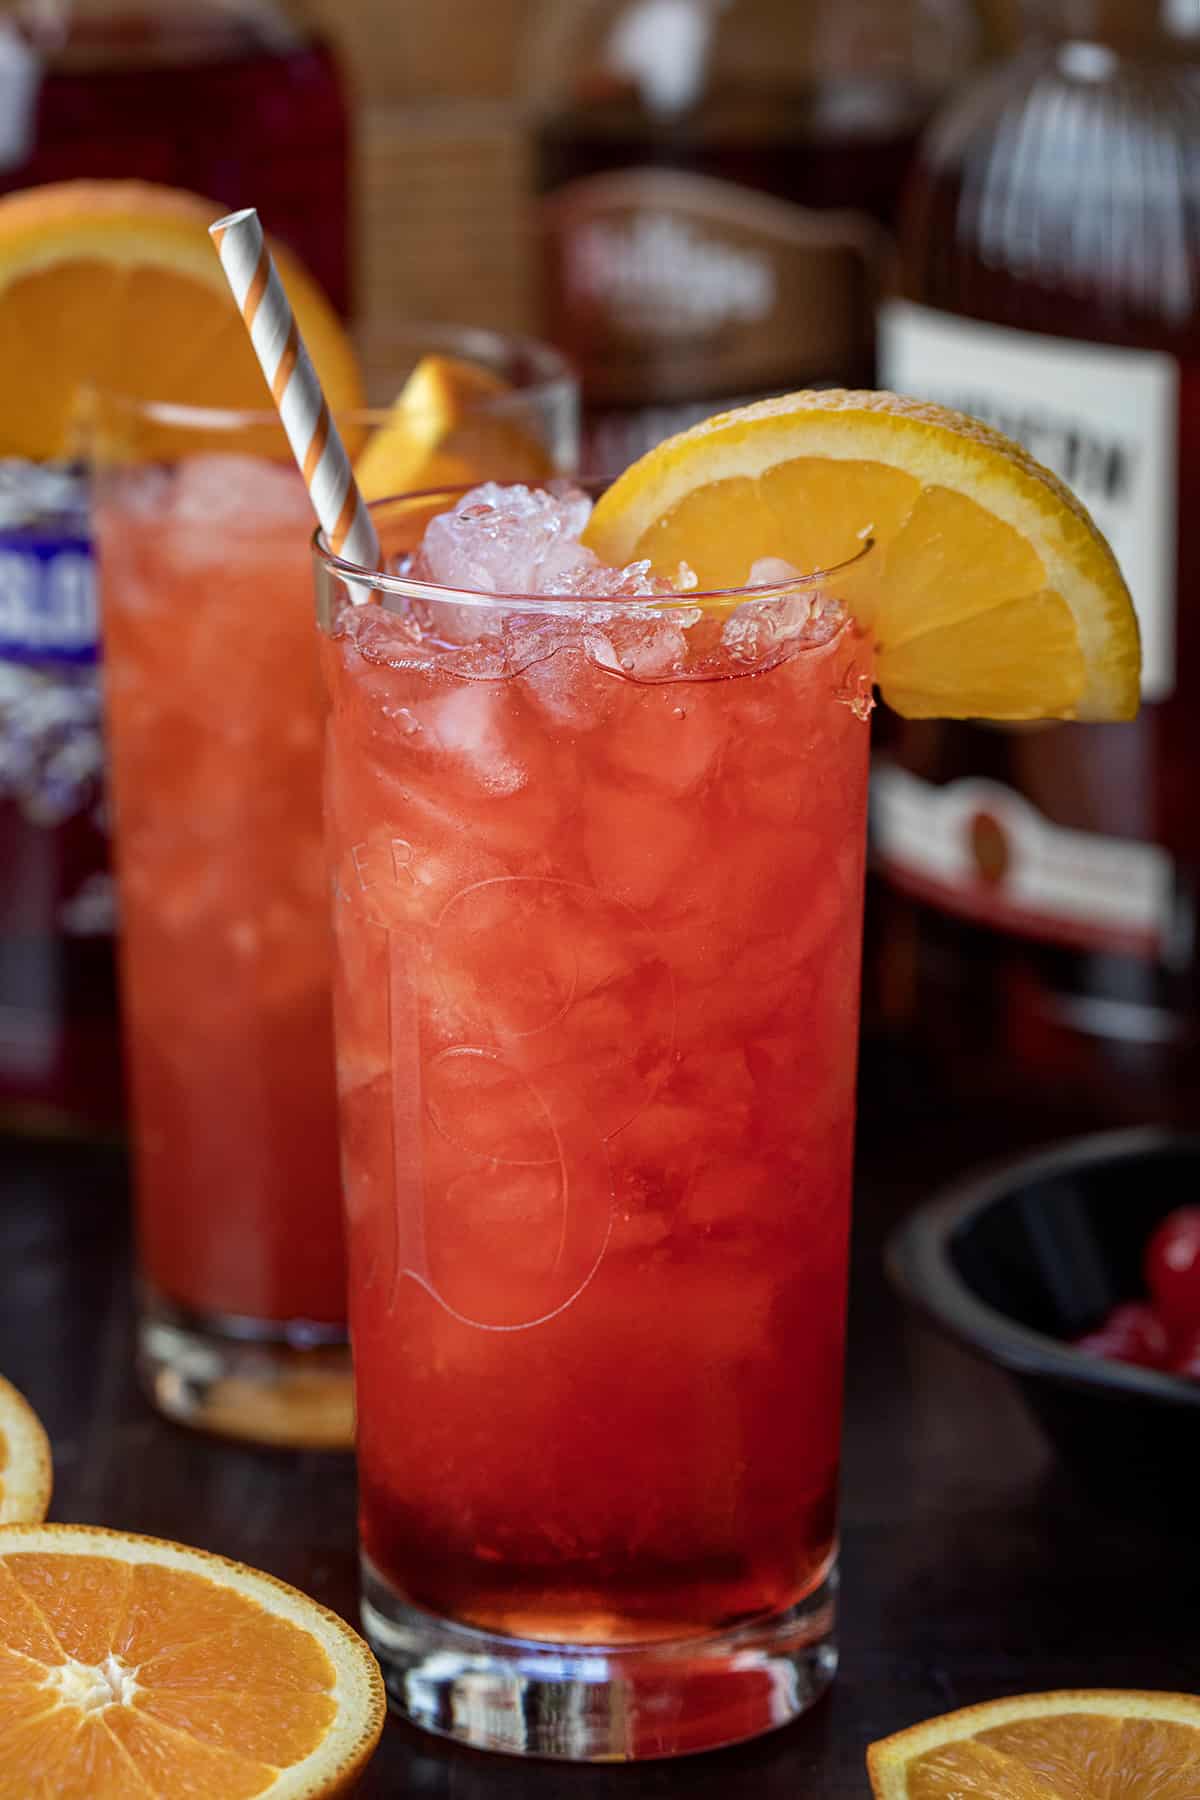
[{"x": 1128, "y": 25}]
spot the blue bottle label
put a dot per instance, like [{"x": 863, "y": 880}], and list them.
[
  {"x": 48, "y": 609},
  {"x": 51, "y": 726}
]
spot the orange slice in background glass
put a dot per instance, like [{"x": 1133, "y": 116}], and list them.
[
  {"x": 25, "y": 1468},
  {"x": 450, "y": 427},
  {"x": 135, "y": 1669},
  {"x": 1085, "y": 1744}
]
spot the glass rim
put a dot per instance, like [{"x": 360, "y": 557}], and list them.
[
  {"x": 384, "y": 583},
  {"x": 552, "y": 378}
]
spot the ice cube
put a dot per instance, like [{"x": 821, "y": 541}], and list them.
[
  {"x": 507, "y": 540},
  {"x": 766, "y": 571},
  {"x": 637, "y": 844},
  {"x": 568, "y": 690},
  {"x": 644, "y": 647},
  {"x": 758, "y": 630},
  {"x": 598, "y": 580},
  {"x": 564, "y": 565},
  {"x": 142, "y": 493},
  {"x": 241, "y": 493},
  {"x": 495, "y": 1235},
  {"x": 521, "y": 540},
  {"x": 767, "y": 624},
  {"x": 481, "y": 1104},
  {"x": 574, "y": 506},
  {"x": 670, "y": 735},
  {"x": 469, "y": 723}
]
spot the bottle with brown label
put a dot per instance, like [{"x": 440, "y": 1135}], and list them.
[
  {"x": 1043, "y": 884},
  {"x": 719, "y": 179}
]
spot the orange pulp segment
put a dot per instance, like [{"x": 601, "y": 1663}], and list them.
[
  {"x": 1090, "y": 1744},
  {"x": 449, "y": 428},
  {"x": 136, "y": 1669}
]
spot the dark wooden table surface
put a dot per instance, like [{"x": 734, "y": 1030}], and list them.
[{"x": 972, "y": 1568}]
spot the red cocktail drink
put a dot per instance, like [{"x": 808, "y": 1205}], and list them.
[
  {"x": 215, "y": 711},
  {"x": 215, "y": 725},
  {"x": 598, "y": 895}
]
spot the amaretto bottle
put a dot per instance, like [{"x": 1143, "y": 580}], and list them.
[
  {"x": 1044, "y": 882},
  {"x": 720, "y": 178}
]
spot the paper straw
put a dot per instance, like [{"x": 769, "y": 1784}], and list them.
[{"x": 320, "y": 454}]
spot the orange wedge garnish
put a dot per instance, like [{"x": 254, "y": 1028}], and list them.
[
  {"x": 449, "y": 428},
  {"x": 115, "y": 283},
  {"x": 25, "y": 1469},
  {"x": 135, "y": 1669},
  {"x": 1086, "y": 1744},
  {"x": 989, "y": 591}
]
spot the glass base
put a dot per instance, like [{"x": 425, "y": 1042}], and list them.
[
  {"x": 594, "y": 1702},
  {"x": 287, "y": 1384}
]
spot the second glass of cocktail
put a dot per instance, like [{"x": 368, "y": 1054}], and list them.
[
  {"x": 214, "y": 717},
  {"x": 597, "y": 851}
]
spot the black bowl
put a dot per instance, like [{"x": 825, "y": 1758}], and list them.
[{"x": 1016, "y": 1261}]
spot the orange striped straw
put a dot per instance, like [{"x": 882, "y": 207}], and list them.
[{"x": 311, "y": 432}]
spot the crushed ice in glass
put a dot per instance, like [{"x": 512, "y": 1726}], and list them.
[
  {"x": 521, "y": 540},
  {"x": 517, "y": 542},
  {"x": 223, "y": 490},
  {"x": 220, "y": 491}
]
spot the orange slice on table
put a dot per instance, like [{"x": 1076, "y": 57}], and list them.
[
  {"x": 1090, "y": 1744},
  {"x": 988, "y": 591},
  {"x": 135, "y": 1669},
  {"x": 449, "y": 428},
  {"x": 25, "y": 1469},
  {"x": 116, "y": 283}
]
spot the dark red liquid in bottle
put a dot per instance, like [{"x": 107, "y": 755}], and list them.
[
  {"x": 239, "y": 115},
  {"x": 242, "y": 112}
]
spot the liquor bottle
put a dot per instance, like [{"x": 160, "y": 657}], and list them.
[
  {"x": 59, "y": 1058},
  {"x": 719, "y": 179},
  {"x": 231, "y": 99},
  {"x": 1042, "y": 884},
  {"x": 225, "y": 97}
]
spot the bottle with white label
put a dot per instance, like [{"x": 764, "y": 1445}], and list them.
[
  {"x": 719, "y": 181},
  {"x": 1042, "y": 883}
]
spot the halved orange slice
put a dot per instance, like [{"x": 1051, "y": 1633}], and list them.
[
  {"x": 135, "y": 1669},
  {"x": 989, "y": 591},
  {"x": 1085, "y": 1744},
  {"x": 115, "y": 283},
  {"x": 26, "y": 1475},
  {"x": 449, "y": 428}
]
